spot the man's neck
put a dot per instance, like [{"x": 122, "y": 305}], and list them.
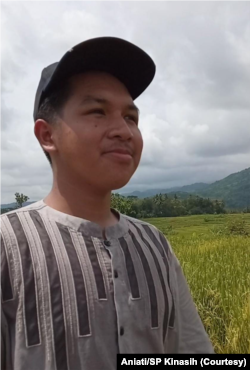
[{"x": 82, "y": 203}]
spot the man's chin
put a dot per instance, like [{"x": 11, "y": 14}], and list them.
[{"x": 116, "y": 184}]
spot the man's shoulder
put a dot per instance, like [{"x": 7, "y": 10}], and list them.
[
  {"x": 138, "y": 221},
  {"x": 33, "y": 206},
  {"x": 155, "y": 234},
  {"x": 145, "y": 225}
]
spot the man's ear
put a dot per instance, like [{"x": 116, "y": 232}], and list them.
[{"x": 44, "y": 133}]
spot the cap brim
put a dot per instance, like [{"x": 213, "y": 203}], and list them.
[{"x": 127, "y": 62}]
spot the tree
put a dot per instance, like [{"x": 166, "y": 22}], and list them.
[
  {"x": 162, "y": 205},
  {"x": 121, "y": 203},
  {"x": 5, "y": 210},
  {"x": 20, "y": 199}
]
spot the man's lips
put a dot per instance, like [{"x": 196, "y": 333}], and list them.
[
  {"x": 121, "y": 151},
  {"x": 123, "y": 155}
]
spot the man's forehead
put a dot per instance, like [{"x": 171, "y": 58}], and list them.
[
  {"x": 97, "y": 86},
  {"x": 100, "y": 99}
]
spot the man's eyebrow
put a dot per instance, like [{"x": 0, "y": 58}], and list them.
[
  {"x": 92, "y": 99},
  {"x": 96, "y": 99},
  {"x": 133, "y": 107}
]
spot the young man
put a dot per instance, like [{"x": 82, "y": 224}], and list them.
[{"x": 82, "y": 282}]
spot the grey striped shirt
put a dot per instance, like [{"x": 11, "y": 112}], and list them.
[{"x": 73, "y": 300}]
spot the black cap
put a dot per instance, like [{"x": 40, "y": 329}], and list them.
[{"x": 124, "y": 60}]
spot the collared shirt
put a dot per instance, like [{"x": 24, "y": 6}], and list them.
[{"x": 73, "y": 300}]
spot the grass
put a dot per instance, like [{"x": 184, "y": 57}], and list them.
[{"x": 214, "y": 251}]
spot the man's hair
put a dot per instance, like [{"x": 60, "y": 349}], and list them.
[{"x": 52, "y": 106}]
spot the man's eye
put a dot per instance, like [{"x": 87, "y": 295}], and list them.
[
  {"x": 97, "y": 111},
  {"x": 132, "y": 118}
]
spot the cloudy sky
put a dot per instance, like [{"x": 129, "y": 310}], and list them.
[{"x": 195, "y": 116}]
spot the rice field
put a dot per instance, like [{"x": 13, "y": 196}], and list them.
[{"x": 214, "y": 251}]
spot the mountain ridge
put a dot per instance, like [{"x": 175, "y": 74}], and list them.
[{"x": 234, "y": 189}]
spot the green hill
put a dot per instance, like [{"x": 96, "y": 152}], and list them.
[
  {"x": 177, "y": 189},
  {"x": 233, "y": 189}
]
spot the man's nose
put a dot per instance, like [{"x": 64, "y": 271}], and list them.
[{"x": 121, "y": 128}]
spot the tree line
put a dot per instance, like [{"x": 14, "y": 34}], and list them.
[{"x": 160, "y": 205}]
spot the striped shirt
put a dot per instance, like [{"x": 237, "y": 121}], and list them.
[{"x": 73, "y": 300}]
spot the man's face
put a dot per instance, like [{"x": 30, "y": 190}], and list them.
[{"x": 98, "y": 117}]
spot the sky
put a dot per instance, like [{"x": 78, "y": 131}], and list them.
[{"x": 195, "y": 115}]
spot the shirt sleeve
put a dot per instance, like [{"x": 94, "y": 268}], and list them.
[{"x": 191, "y": 333}]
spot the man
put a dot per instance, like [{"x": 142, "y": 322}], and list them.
[{"x": 82, "y": 282}]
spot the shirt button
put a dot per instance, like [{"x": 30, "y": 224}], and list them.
[
  {"x": 107, "y": 243},
  {"x": 115, "y": 274},
  {"x": 121, "y": 330}
]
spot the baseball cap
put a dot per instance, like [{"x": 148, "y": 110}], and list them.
[{"x": 124, "y": 60}]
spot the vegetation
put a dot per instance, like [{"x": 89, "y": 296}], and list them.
[
  {"x": 5, "y": 210},
  {"x": 20, "y": 199},
  {"x": 214, "y": 252},
  {"x": 162, "y": 205},
  {"x": 233, "y": 190}
]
